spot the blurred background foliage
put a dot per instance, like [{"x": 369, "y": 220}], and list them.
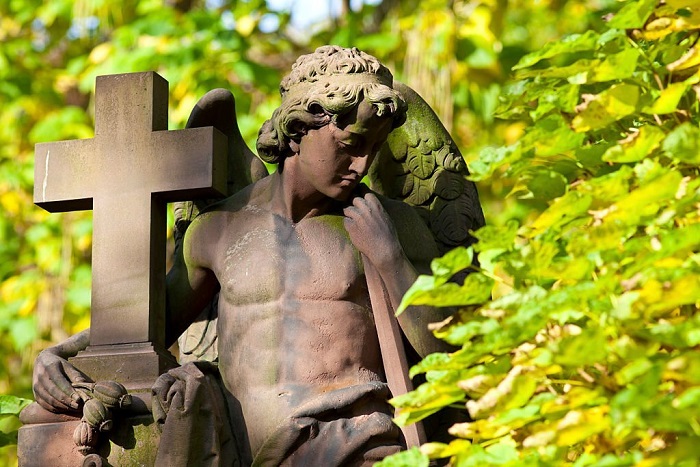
[{"x": 457, "y": 54}]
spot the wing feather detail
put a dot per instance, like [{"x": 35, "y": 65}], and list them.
[{"x": 421, "y": 165}]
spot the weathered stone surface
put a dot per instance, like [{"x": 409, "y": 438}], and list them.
[
  {"x": 126, "y": 174},
  {"x": 132, "y": 442}
]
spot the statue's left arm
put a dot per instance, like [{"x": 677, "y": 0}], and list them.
[{"x": 399, "y": 249}]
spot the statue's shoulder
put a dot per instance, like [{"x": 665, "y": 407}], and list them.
[{"x": 232, "y": 215}]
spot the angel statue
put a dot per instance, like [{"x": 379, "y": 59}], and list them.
[{"x": 298, "y": 264}]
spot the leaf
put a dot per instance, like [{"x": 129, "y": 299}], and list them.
[
  {"x": 609, "y": 188},
  {"x": 570, "y": 44},
  {"x": 638, "y": 146},
  {"x": 633, "y": 15},
  {"x": 563, "y": 210},
  {"x": 410, "y": 458},
  {"x": 613, "y": 67},
  {"x": 451, "y": 263},
  {"x": 689, "y": 60},
  {"x": 645, "y": 200},
  {"x": 513, "y": 391},
  {"x": 683, "y": 143},
  {"x": 668, "y": 100},
  {"x": 551, "y": 136},
  {"x": 577, "y": 425},
  {"x": 493, "y": 237},
  {"x": 429, "y": 291},
  {"x": 490, "y": 159},
  {"x": 12, "y": 405},
  {"x": 547, "y": 184},
  {"x": 618, "y": 101},
  {"x": 584, "y": 349}
]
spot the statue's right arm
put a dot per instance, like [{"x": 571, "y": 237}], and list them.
[
  {"x": 190, "y": 283},
  {"x": 53, "y": 375}
]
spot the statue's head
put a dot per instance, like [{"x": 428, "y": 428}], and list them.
[{"x": 323, "y": 86}]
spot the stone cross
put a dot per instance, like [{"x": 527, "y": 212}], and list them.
[{"x": 126, "y": 174}]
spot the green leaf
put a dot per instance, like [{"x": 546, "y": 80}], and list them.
[
  {"x": 451, "y": 263},
  {"x": 429, "y": 291},
  {"x": 614, "y": 67},
  {"x": 551, "y": 136},
  {"x": 587, "y": 348},
  {"x": 609, "y": 188},
  {"x": 562, "y": 211},
  {"x": 570, "y": 44},
  {"x": 12, "y": 405},
  {"x": 618, "y": 101},
  {"x": 683, "y": 143},
  {"x": 547, "y": 184},
  {"x": 633, "y": 15},
  {"x": 8, "y": 439},
  {"x": 637, "y": 146},
  {"x": 491, "y": 159},
  {"x": 410, "y": 458},
  {"x": 492, "y": 237}
]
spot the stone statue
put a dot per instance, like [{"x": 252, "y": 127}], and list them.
[{"x": 300, "y": 378}]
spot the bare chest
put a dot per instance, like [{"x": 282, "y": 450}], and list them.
[{"x": 276, "y": 260}]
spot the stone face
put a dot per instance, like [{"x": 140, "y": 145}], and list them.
[{"x": 126, "y": 174}]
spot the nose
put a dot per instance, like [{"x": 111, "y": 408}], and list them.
[{"x": 360, "y": 164}]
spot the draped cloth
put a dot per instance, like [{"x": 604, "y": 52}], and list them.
[
  {"x": 347, "y": 426},
  {"x": 190, "y": 408}
]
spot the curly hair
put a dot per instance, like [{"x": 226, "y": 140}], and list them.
[{"x": 322, "y": 86}]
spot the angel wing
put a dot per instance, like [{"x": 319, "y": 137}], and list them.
[
  {"x": 421, "y": 165},
  {"x": 218, "y": 109}
]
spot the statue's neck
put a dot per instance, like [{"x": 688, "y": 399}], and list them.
[{"x": 295, "y": 199}]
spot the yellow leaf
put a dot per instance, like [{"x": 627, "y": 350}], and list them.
[
  {"x": 668, "y": 99},
  {"x": 577, "y": 425},
  {"x": 611, "y": 105},
  {"x": 690, "y": 59}
]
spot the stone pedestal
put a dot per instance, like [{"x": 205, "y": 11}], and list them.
[{"x": 46, "y": 439}]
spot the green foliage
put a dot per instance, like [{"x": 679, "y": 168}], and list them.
[
  {"x": 10, "y": 407},
  {"x": 587, "y": 352}
]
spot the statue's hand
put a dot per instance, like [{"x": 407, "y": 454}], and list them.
[
  {"x": 52, "y": 380},
  {"x": 372, "y": 231}
]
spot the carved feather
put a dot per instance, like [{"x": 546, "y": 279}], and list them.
[{"x": 421, "y": 165}]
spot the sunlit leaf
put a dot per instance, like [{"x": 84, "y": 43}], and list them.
[
  {"x": 637, "y": 146},
  {"x": 633, "y": 14},
  {"x": 607, "y": 107}
]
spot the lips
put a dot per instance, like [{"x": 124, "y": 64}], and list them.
[{"x": 348, "y": 180}]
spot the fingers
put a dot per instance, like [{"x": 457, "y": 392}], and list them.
[
  {"x": 52, "y": 387},
  {"x": 61, "y": 388},
  {"x": 51, "y": 402}
]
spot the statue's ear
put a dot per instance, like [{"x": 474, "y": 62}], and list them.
[{"x": 294, "y": 145}]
